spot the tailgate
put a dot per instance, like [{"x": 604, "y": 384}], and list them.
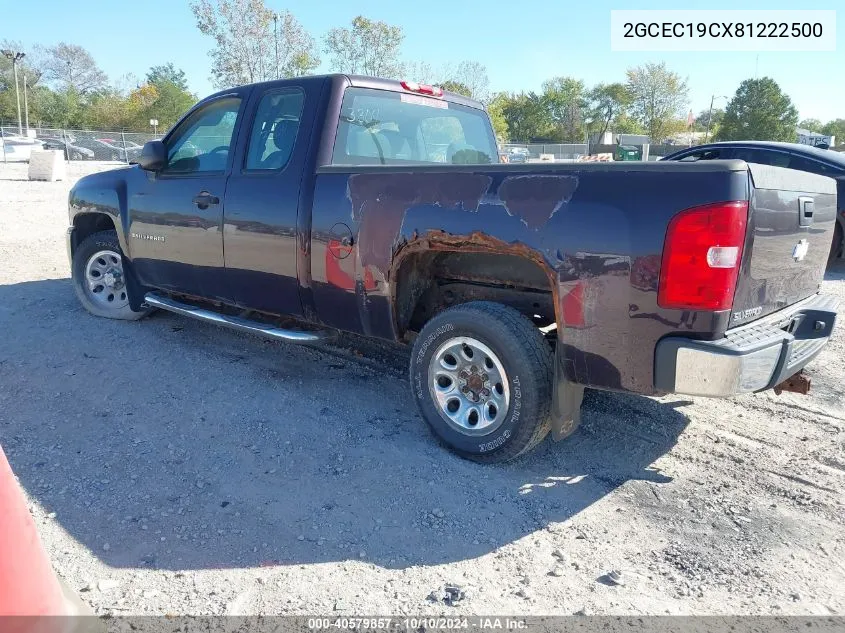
[{"x": 790, "y": 227}]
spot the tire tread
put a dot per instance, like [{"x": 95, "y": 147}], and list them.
[{"x": 531, "y": 340}]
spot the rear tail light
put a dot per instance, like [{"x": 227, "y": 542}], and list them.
[
  {"x": 423, "y": 89},
  {"x": 701, "y": 257}
]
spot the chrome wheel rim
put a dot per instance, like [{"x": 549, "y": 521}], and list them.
[
  {"x": 469, "y": 386},
  {"x": 104, "y": 281}
]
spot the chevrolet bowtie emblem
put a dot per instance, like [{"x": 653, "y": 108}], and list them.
[{"x": 800, "y": 250}]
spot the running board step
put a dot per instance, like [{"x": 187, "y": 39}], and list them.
[{"x": 236, "y": 323}]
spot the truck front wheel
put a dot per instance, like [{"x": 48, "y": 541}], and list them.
[
  {"x": 99, "y": 280},
  {"x": 481, "y": 374}
]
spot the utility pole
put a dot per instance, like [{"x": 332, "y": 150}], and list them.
[
  {"x": 15, "y": 57},
  {"x": 710, "y": 114},
  {"x": 25, "y": 104},
  {"x": 276, "y": 36}
]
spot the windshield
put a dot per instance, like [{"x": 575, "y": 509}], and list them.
[{"x": 379, "y": 127}]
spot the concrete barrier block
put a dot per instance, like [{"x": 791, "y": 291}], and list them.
[{"x": 47, "y": 165}]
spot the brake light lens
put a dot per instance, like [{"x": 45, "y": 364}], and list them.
[
  {"x": 423, "y": 89},
  {"x": 701, "y": 257}
]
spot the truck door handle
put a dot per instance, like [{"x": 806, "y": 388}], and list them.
[
  {"x": 204, "y": 200},
  {"x": 805, "y": 211}
]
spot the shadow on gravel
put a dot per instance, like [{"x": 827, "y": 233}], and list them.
[{"x": 172, "y": 444}]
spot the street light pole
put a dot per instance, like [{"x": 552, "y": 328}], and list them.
[
  {"x": 587, "y": 134},
  {"x": 25, "y": 104},
  {"x": 15, "y": 57},
  {"x": 276, "y": 37}
]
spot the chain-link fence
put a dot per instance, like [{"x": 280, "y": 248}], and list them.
[
  {"x": 531, "y": 152},
  {"x": 76, "y": 145}
]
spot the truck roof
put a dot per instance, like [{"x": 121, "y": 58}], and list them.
[{"x": 357, "y": 81}]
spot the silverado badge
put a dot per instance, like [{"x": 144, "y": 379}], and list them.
[{"x": 147, "y": 236}]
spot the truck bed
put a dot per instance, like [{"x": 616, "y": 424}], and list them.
[{"x": 596, "y": 231}]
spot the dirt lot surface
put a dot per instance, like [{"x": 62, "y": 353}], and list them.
[{"x": 177, "y": 467}]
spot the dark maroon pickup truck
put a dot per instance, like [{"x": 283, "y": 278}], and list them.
[{"x": 297, "y": 208}]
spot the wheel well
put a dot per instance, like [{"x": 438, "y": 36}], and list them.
[
  {"x": 89, "y": 223},
  {"x": 432, "y": 281}
]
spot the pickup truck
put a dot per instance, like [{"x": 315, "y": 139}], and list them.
[{"x": 295, "y": 209}]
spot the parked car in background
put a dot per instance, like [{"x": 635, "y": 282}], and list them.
[
  {"x": 103, "y": 150},
  {"x": 128, "y": 149},
  {"x": 14, "y": 147},
  {"x": 518, "y": 155},
  {"x": 70, "y": 149},
  {"x": 792, "y": 155}
]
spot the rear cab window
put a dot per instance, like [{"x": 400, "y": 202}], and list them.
[{"x": 380, "y": 127}]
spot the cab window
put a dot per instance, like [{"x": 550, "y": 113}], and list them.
[
  {"x": 381, "y": 127},
  {"x": 710, "y": 154},
  {"x": 202, "y": 142},
  {"x": 814, "y": 166},
  {"x": 274, "y": 130},
  {"x": 763, "y": 157}
]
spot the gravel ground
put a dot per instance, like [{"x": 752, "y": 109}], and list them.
[{"x": 177, "y": 467}]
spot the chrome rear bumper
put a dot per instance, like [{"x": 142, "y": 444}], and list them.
[{"x": 753, "y": 357}]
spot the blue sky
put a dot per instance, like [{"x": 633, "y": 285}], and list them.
[{"x": 520, "y": 42}]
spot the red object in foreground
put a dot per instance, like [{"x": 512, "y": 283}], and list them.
[
  {"x": 28, "y": 585},
  {"x": 701, "y": 257}
]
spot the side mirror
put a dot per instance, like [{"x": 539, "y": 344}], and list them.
[{"x": 153, "y": 156}]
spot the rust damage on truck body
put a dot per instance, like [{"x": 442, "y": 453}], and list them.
[{"x": 410, "y": 213}]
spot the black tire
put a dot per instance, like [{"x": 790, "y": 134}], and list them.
[
  {"x": 527, "y": 362},
  {"x": 836, "y": 246},
  {"x": 90, "y": 246}
]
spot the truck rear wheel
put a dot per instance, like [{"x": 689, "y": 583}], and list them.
[
  {"x": 98, "y": 278},
  {"x": 481, "y": 374}
]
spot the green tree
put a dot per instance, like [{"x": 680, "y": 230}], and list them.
[
  {"x": 715, "y": 118},
  {"x": 759, "y": 111},
  {"x": 624, "y": 124},
  {"x": 65, "y": 109},
  {"x": 167, "y": 73},
  {"x": 456, "y": 87},
  {"x": 608, "y": 102},
  {"x": 170, "y": 104},
  {"x": 814, "y": 125},
  {"x": 497, "y": 118},
  {"x": 251, "y": 43},
  {"x": 565, "y": 100},
  {"x": 368, "y": 47},
  {"x": 172, "y": 96},
  {"x": 107, "y": 110},
  {"x": 527, "y": 117},
  {"x": 658, "y": 97},
  {"x": 835, "y": 128}
]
